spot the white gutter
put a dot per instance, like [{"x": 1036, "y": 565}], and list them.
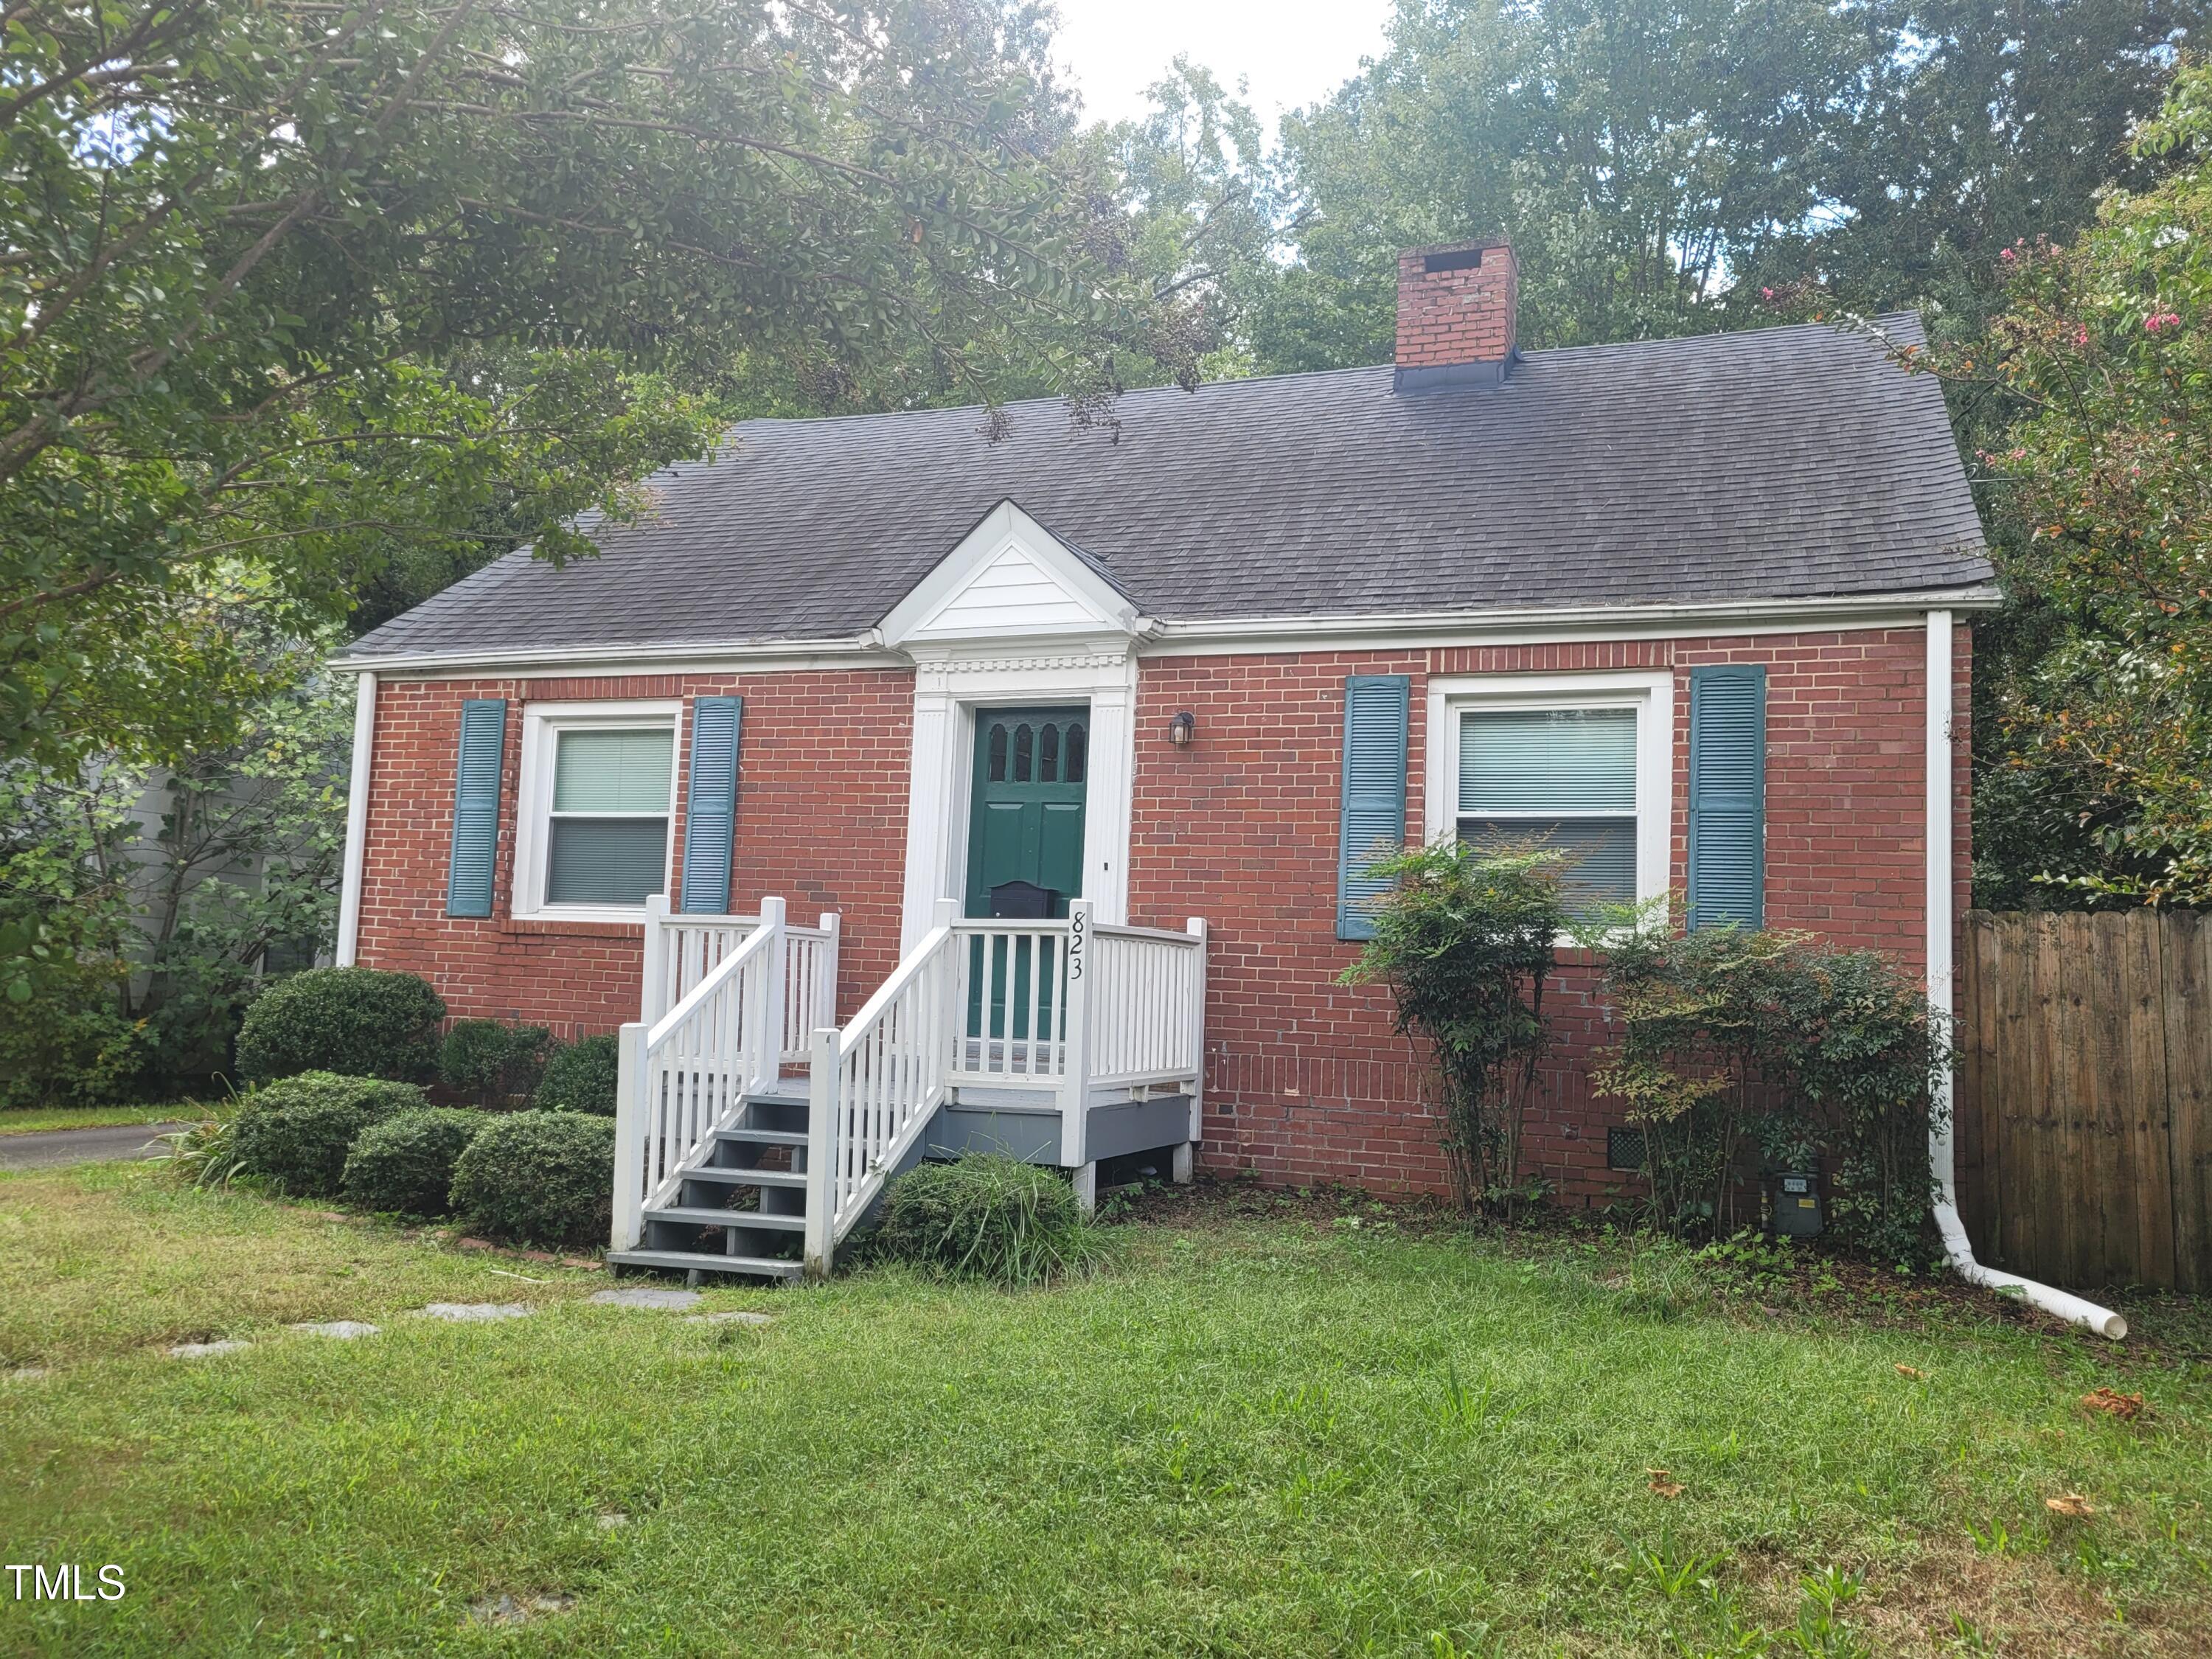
[
  {"x": 357, "y": 846},
  {"x": 1158, "y": 637},
  {"x": 1940, "y": 1148}
]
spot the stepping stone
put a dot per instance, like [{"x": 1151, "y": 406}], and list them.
[
  {"x": 205, "y": 1349},
  {"x": 30, "y": 1373},
  {"x": 646, "y": 1296},
  {"x": 472, "y": 1312},
  {"x": 612, "y": 1519},
  {"x": 343, "y": 1329},
  {"x": 508, "y": 1610},
  {"x": 739, "y": 1316}
]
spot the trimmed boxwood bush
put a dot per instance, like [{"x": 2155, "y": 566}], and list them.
[
  {"x": 988, "y": 1216},
  {"x": 492, "y": 1061},
  {"x": 581, "y": 1078},
  {"x": 539, "y": 1178},
  {"x": 296, "y": 1132},
  {"x": 405, "y": 1163},
  {"x": 357, "y": 1022}
]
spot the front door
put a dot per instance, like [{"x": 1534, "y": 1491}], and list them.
[
  {"x": 1025, "y": 846},
  {"x": 1025, "y": 820}
]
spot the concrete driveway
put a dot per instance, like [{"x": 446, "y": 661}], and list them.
[{"x": 104, "y": 1145}]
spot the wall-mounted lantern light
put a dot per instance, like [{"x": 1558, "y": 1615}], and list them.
[{"x": 1182, "y": 728}]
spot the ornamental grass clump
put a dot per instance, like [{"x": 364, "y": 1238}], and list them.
[
  {"x": 404, "y": 1164},
  {"x": 1465, "y": 939},
  {"x": 987, "y": 1216}
]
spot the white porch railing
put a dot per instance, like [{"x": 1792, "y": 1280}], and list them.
[
  {"x": 680, "y": 951},
  {"x": 746, "y": 984},
  {"x": 1064, "y": 1008}
]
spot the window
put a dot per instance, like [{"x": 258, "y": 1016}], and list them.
[
  {"x": 599, "y": 792},
  {"x": 1575, "y": 762},
  {"x": 1562, "y": 778}
]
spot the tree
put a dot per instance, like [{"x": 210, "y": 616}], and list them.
[
  {"x": 2102, "y": 488},
  {"x": 1655, "y": 165},
  {"x": 284, "y": 283}
]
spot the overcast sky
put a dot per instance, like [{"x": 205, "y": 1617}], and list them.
[{"x": 1292, "y": 52}]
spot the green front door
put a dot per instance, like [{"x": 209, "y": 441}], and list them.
[{"x": 1024, "y": 823}]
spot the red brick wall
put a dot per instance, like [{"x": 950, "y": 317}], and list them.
[
  {"x": 1306, "y": 1080},
  {"x": 822, "y": 810}
]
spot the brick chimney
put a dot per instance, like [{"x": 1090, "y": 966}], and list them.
[{"x": 1455, "y": 315}]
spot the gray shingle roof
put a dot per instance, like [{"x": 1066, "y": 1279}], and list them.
[{"x": 1783, "y": 463}]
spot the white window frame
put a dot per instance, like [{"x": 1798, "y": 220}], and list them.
[
  {"x": 542, "y": 725},
  {"x": 1651, "y": 693}
]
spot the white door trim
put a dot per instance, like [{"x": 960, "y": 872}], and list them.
[{"x": 948, "y": 687}]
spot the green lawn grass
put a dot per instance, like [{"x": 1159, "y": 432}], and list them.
[
  {"x": 35, "y": 1120},
  {"x": 1254, "y": 1436}
]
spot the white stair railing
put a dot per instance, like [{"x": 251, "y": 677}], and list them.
[
  {"x": 810, "y": 984},
  {"x": 1061, "y": 1009},
  {"x": 686, "y": 1075},
  {"x": 873, "y": 1087}
]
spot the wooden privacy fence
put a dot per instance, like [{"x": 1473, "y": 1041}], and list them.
[{"x": 2084, "y": 1097}]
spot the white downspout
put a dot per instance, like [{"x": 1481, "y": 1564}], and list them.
[
  {"x": 356, "y": 846},
  {"x": 1956, "y": 1245}
]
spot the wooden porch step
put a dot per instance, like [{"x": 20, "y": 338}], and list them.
[
  {"x": 747, "y": 1177},
  {"x": 758, "y": 1267},
  {"x": 694, "y": 1216},
  {"x": 764, "y": 1137}
]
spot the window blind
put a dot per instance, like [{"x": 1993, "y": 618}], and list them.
[{"x": 1562, "y": 779}]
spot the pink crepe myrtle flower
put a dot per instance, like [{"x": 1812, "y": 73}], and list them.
[{"x": 2160, "y": 320}]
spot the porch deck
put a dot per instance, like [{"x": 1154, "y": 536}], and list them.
[{"x": 743, "y": 1110}]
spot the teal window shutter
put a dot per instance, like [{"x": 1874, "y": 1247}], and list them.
[
  {"x": 475, "y": 806},
  {"x": 1373, "y": 824},
  {"x": 1727, "y": 796},
  {"x": 710, "y": 811}
]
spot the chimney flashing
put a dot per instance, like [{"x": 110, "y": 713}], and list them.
[{"x": 1448, "y": 377}]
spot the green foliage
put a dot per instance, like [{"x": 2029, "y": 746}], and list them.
[
  {"x": 295, "y": 1133},
  {"x": 1466, "y": 941},
  {"x": 404, "y": 1164},
  {"x": 363, "y": 1022},
  {"x": 991, "y": 1216},
  {"x": 492, "y": 1062},
  {"x": 579, "y": 1077},
  {"x": 1655, "y": 164},
  {"x": 289, "y": 291},
  {"x": 178, "y": 883},
  {"x": 2096, "y": 745},
  {"x": 539, "y": 1178},
  {"x": 1734, "y": 1043},
  {"x": 68, "y": 1042}
]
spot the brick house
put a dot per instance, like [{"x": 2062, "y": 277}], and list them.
[{"x": 883, "y": 723}]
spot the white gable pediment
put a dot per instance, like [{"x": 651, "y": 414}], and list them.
[{"x": 1010, "y": 578}]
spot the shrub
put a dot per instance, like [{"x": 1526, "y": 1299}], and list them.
[
  {"x": 1738, "y": 1048},
  {"x": 580, "y": 1078},
  {"x": 991, "y": 1216},
  {"x": 1466, "y": 939},
  {"x": 358, "y": 1022},
  {"x": 539, "y": 1178},
  {"x": 492, "y": 1061},
  {"x": 68, "y": 1044},
  {"x": 295, "y": 1132},
  {"x": 405, "y": 1163}
]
